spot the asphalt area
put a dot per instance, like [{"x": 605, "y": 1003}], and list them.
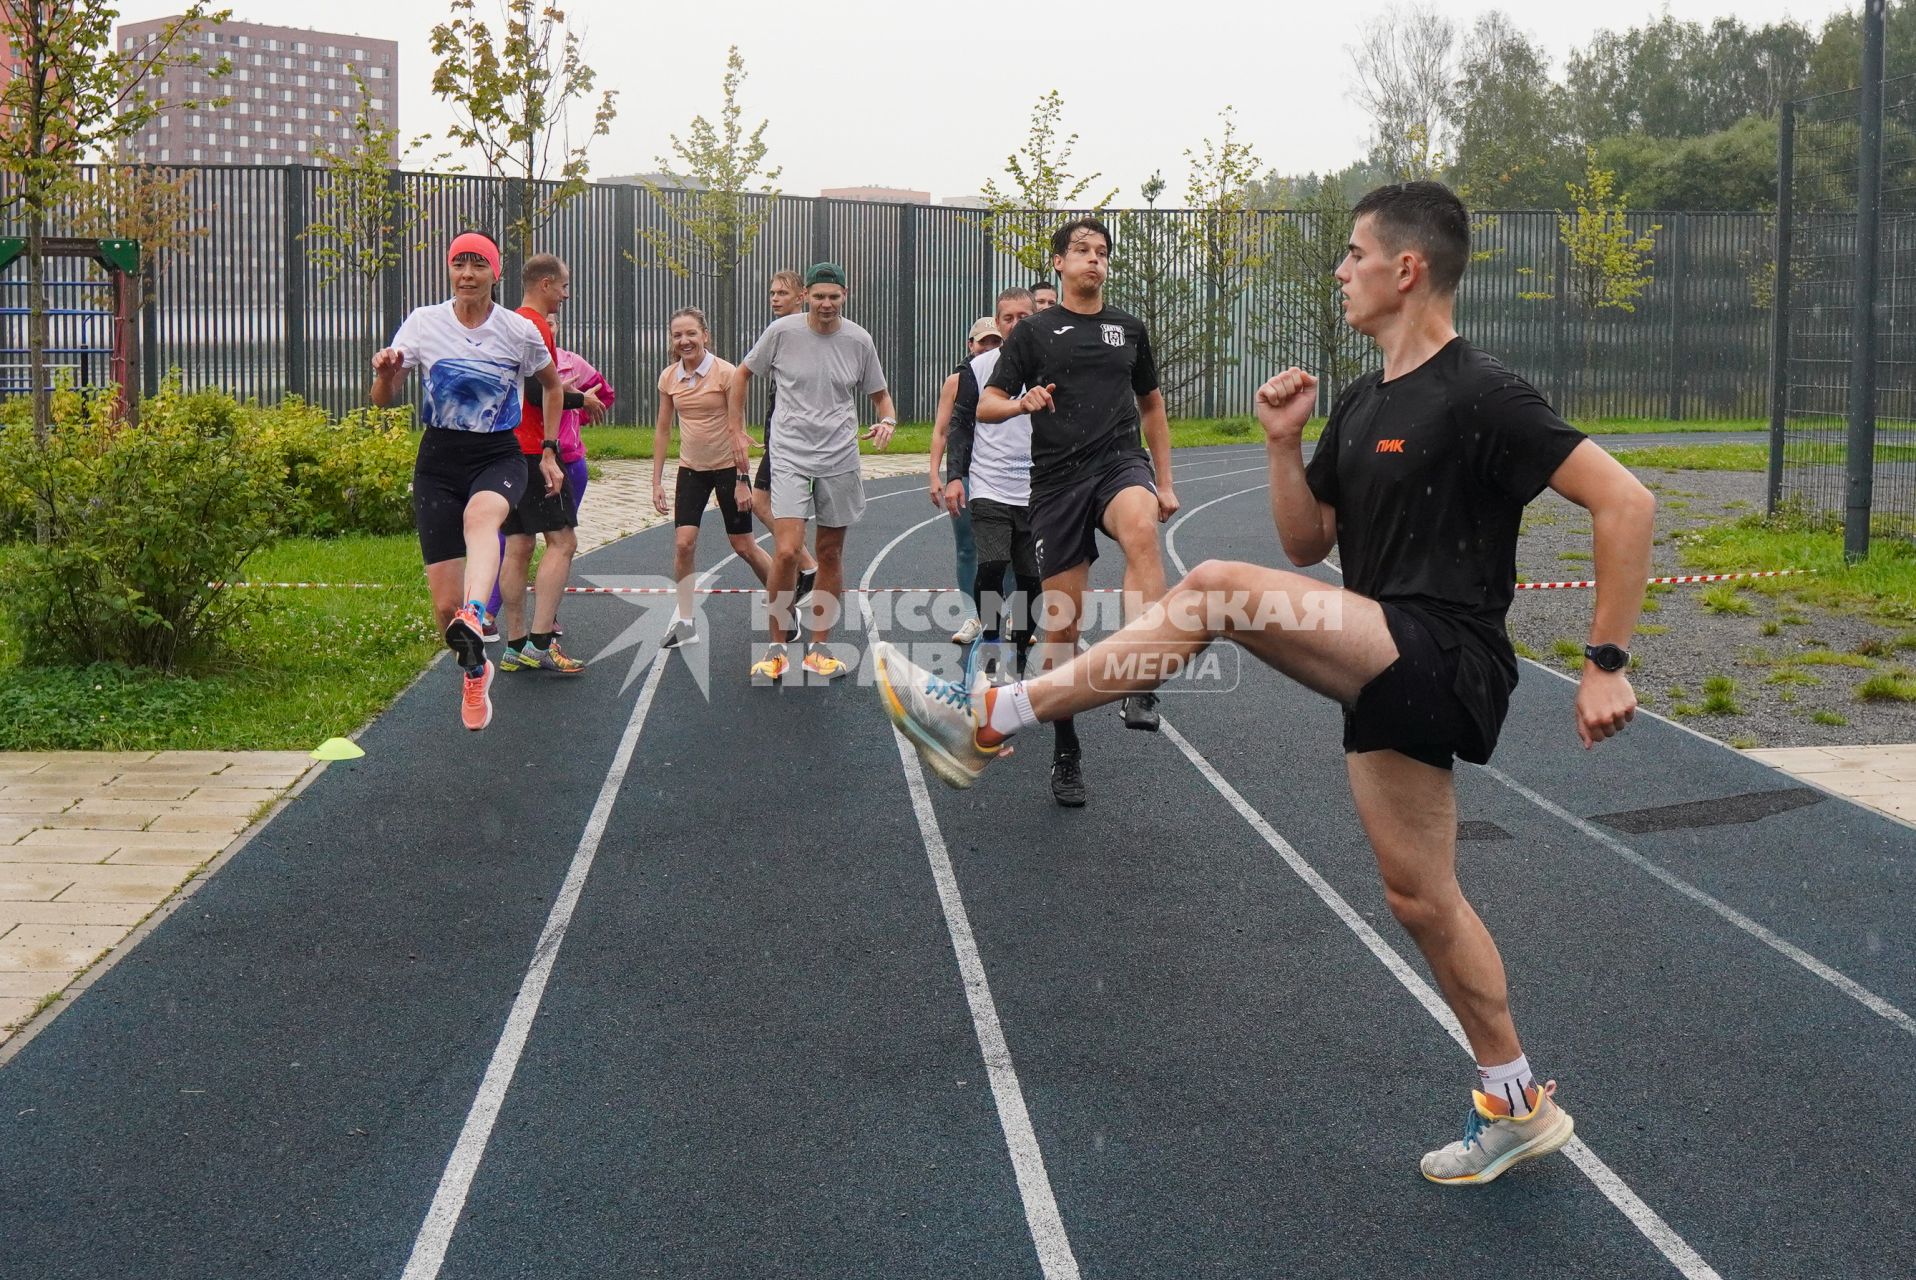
[{"x": 656, "y": 979}]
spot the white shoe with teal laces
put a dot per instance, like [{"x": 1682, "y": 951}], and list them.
[{"x": 1493, "y": 1142}]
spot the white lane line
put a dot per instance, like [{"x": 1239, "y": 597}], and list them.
[
  {"x": 1640, "y": 1215},
  {"x": 1849, "y": 987},
  {"x": 1027, "y": 1159},
  {"x": 442, "y": 1218},
  {"x": 1790, "y": 951},
  {"x": 1646, "y": 1220}
]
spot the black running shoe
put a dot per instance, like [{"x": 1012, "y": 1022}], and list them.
[
  {"x": 807, "y": 579},
  {"x": 1140, "y": 711},
  {"x": 1067, "y": 780}
]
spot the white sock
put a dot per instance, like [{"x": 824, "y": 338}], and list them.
[
  {"x": 1011, "y": 710},
  {"x": 1508, "y": 1082},
  {"x": 678, "y": 617}
]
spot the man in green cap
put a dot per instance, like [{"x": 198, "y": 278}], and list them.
[{"x": 819, "y": 364}]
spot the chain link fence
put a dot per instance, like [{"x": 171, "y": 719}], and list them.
[{"x": 1816, "y": 282}]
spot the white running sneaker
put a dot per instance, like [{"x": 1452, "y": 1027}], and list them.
[
  {"x": 969, "y": 632},
  {"x": 1492, "y": 1142},
  {"x": 936, "y": 716}
]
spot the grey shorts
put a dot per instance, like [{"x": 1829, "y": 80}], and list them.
[{"x": 836, "y": 502}]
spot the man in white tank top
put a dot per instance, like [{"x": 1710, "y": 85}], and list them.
[{"x": 991, "y": 472}]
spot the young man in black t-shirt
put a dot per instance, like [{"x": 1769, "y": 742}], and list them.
[
  {"x": 1420, "y": 478},
  {"x": 1085, "y": 374}
]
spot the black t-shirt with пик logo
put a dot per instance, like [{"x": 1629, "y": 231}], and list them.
[
  {"x": 1100, "y": 365},
  {"x": 1430, "y": 473}
]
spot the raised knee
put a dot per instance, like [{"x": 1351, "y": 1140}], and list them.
[{"x": 1212, "y": 575}]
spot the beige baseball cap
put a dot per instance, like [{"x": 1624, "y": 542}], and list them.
[{"x": 984, "y": 327}]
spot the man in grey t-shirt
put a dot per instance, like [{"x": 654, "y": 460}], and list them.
[{"x": 819, "y": 364}]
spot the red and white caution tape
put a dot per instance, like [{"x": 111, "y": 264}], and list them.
[
  {"x": 1680, "y": 578},
  {"x": 752, "y": 591}
]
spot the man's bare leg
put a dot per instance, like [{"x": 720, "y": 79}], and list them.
[
  {"x": 1339, "y": 643},
  {"x": 830, "y": 586},
  {"x": 762, "y": 508},
  {"x": 512, "y": 585},
  {"x": 555, "y": 570},
  {"x": 1409, "y": 811},
  {"x": 788, "y": 540},
  {"x": 1132, "y": 519}
]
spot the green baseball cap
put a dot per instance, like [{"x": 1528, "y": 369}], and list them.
[{"x": 825, "y": 273}]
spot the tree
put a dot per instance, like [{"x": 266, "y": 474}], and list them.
[
  {"x": 1509, "y": 124},
  {"x": 1306, "y": 327},
  {"x": 1404, "y": 82},
  {"x": 73, "y": 94},
  {"x": 365, "y": 221},
  {"x": 1226, "y": 235},
  {"x": 723, "y": 198},
  {"x": 512, "y": 98},
  {"x": 1838, "y": 59},
  {"x": 1020, "y": 217},
  {"x": 1151, "y": 279},
  {"x": 1731, "y": 169},
  {"x": 151, "y": 204},
  {"x": 1673, "y": 79},
  {"x": 1609, "y": 263}
]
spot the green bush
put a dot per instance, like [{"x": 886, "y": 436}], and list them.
[
  {"x": 139, "y": 522},
  {"x": 350, "y": 476}
]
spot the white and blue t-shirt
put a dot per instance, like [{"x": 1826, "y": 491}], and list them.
[{"x": 474, "y": 377}]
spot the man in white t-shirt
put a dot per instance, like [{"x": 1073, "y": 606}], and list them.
[
  {"x": 470, "y": 473},
  {"x": 991, "y": 474},
  {"x": 819, "y": 364}
]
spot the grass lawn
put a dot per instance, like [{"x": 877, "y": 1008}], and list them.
[
  {"x": 1883, "y": 585},
  {"x": 1730, "y": 457},
  {"x": 306, "y": 666},
  {"x": 1667, "y": 426},
  {"x": 915, "y": 437}
]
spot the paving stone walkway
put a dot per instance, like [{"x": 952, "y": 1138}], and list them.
[{"x": 91, "y": 842}]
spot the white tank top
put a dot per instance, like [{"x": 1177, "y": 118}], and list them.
[{"x": 1000, "y": 451}]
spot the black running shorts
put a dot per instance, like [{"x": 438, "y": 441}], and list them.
[
  {"x": 1064, "y": 523},
  {"x": 1431, "y": 704},
  {"x": 695, "y": 489},
  {"x": 763, "y": 480},
  {"x": 1001, "y": 531},
  {"x": 451, "y": 467},
  {"x": 539, "y": 511}
]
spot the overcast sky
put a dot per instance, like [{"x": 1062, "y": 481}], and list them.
[{"x": 934, "y": 97}]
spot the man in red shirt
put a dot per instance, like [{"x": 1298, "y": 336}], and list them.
[{"x": 548, "y": 283}]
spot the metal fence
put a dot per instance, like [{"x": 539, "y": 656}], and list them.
[
  {"x": 1816, "y": 336},
  {"x": 245, "y": 306}
]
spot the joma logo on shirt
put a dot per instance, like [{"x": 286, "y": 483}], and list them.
[{"x": 1390, "y": 446}]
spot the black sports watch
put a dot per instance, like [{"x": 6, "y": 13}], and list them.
[
  {"x": 552, "y": 445},
  {"x": 1608, "y": 657}
]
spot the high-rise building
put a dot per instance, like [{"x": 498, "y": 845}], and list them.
[
  {"x": 885, "y": 195},
  {"x": 290, "y": 93}
]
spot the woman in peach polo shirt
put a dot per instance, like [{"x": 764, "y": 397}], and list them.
[{"x": 693, "y": 389}]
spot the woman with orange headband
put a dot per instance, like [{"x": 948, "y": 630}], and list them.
[{"x": 470, "y": 473}]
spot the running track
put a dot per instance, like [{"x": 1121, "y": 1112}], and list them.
[{"x": 812, "y": 1017}]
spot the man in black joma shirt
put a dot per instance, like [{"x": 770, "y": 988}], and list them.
[
  {"x": 1420, "y": 479},
  {"x": 1084, "y": 373}
]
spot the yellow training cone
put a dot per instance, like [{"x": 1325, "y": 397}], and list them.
[{"x": 337, "y": 749}]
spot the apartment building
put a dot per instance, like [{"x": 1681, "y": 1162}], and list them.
[{"x": 290, "y": 93}]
